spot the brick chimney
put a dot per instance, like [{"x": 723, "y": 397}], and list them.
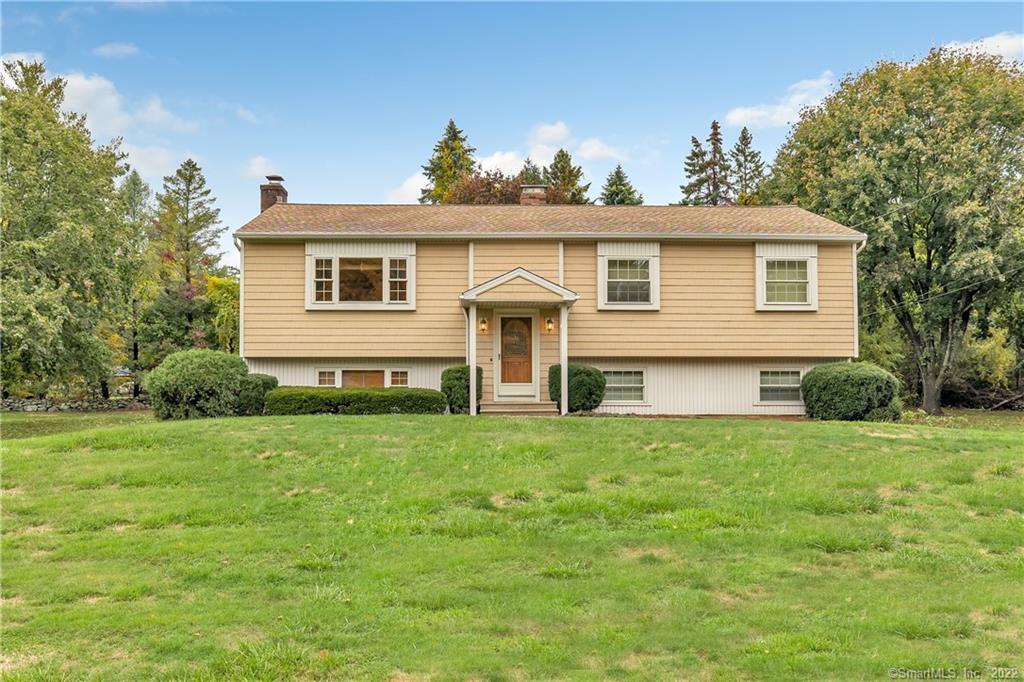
[
  {"x": 533, "y": 195},
  {"x": 272, "y": 192}
]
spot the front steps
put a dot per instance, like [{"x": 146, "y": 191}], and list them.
[{"x": 518, "y": 409}]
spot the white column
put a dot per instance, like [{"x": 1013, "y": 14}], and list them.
[
  {"x": 471, "y": 358},
  {"x": 563, "y": 354}
]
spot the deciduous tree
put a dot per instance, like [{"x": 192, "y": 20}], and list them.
[
  {"x": 61, "y": 235},
  {"x": 928, "y": 159}
]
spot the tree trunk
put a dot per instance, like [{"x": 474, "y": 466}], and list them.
[
  {"x": 931, "y": 391},
  {"x": 105, "y": 389}
]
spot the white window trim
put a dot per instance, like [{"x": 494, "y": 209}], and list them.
[
  {"x": 338, "y": 369},
  {"x": 782, "y": 251},
  {"x": 649, "y": 251},
  {"x": 643, "y": 374},
  {"x": 784, "y": 403},
  {"x": 384, "y": 250}
]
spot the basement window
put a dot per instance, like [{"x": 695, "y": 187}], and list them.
[
  {"x": 624, "y": 386},
  {"x": 780, "y": 386}
]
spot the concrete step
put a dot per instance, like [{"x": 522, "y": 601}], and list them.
[{"x": 544, "y": 409}]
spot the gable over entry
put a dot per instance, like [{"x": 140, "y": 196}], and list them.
[{"x": 519, "y": 288}]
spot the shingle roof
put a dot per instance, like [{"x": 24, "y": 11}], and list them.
[{"x": 514, "y": 220}]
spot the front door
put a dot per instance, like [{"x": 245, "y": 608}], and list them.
[{"x": 516, "y": 353}]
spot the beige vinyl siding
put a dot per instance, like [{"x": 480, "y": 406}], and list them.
[
  {"x": 708, "y": 307},
  {"x": 496, "y": 257},
  {"x": 277, "y": 324}
]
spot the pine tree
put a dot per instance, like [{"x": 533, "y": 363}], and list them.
[
  {"x": 564, "y": 181},
  {"x": 708, "y": 172},
  {"x": 187, "y": 232},
  {"x": 748, "y": 168},
  {"x": 618, "y": 190},
  {"x": 452, "y": 158},
  {"x": 719, "y": 185},
  {"x": 531, "y": 174},
  {"x": 695, "y": 190}
]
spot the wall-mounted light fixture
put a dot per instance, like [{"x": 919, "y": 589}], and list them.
[
  {"x": 549, "y": 325},
  {"x": 483, "y": 325}
]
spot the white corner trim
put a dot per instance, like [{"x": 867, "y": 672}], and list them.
[
  {"x": 241, "y": 299},
  {"x": 561, "y": 263},
  {"x": 470, "y": 265},
  {"x": 856, "y": 304},
  {"x": 769, "y": 251}
]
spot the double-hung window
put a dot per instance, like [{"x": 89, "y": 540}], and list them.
[
  {"x": 624, "y": 386},
  {"x": 787, "y": 276},
  {"x": 779, "y": 385},
  {"x": 628, "y": 275},
  {"x": 361, "y": 276}
]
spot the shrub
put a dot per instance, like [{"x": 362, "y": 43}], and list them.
[
  {"x": 851, "y": 391},
  {"x": 252, "y": 394},
  {"x": 314, "y": 400},
  {"x": 586, "y": 386},
  {"x": 196, "y": 383},
  {"x": 455, "y": 386}
]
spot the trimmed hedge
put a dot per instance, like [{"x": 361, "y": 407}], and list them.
[
  {"x": 252, "y": 394},
  {"x": 455, "y": 387},
  {"x": 586, "y": 386},
  {"x": 196, "y": 383},
  {"x": 315, "y": 400},
  {"x": 851, "y": 391}
]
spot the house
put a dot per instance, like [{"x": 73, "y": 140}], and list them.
[{"x": 687, "y": 310}]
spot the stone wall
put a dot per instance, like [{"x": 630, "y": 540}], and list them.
[{"x": 85, "y": 405}]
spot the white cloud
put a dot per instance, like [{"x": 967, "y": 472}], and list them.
[
  {"x": 506, "y": 162},
  {"x": 100, "y": 101},
  {"x": 116, "y": 50},
  {"x": 246, "y": 115},
  {"x": 1007, "y": 44},
  {"x": 153, "y": 162},
  {"x": 409, "y": 191},
  {"x": 594, "y": 148},
  {"x": 549, "y": 133},
  {"x": 787, "y": 108},
  {"x": 259, "y": 167}
]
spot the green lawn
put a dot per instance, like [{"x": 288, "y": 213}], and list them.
[
  {"x": 28, "y": 424},
  {"x": 489, "y": 548}
]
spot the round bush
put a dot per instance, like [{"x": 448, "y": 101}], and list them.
[
  {"x": 586, "y": 386},
  {"x": 252, "y": 393},
  {"x": 851, "y": 391},
  {"x": 196, "y": 383},
  {"x": 455, "y": 386}
]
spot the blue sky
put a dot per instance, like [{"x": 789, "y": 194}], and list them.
[{"x": 346, "y": 100}]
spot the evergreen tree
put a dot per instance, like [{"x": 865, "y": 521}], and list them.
[
  {"x": 708, "y": 171},
  {"x": 618, "y": 190},
  {"x": 695, "y": 190},
  {"x": 452, "y": 158},
  {"x": 564, "y": 181},
  {"x": 187, "y": 232},
  {"x": 718, "y": 172},
  {"x": 531, "y": 174},
  {"x": 748, "y": 168}
]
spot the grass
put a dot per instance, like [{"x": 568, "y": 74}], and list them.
[
  {"x": 502, "y": 548},
  {"x": 29, "y": 424}
]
